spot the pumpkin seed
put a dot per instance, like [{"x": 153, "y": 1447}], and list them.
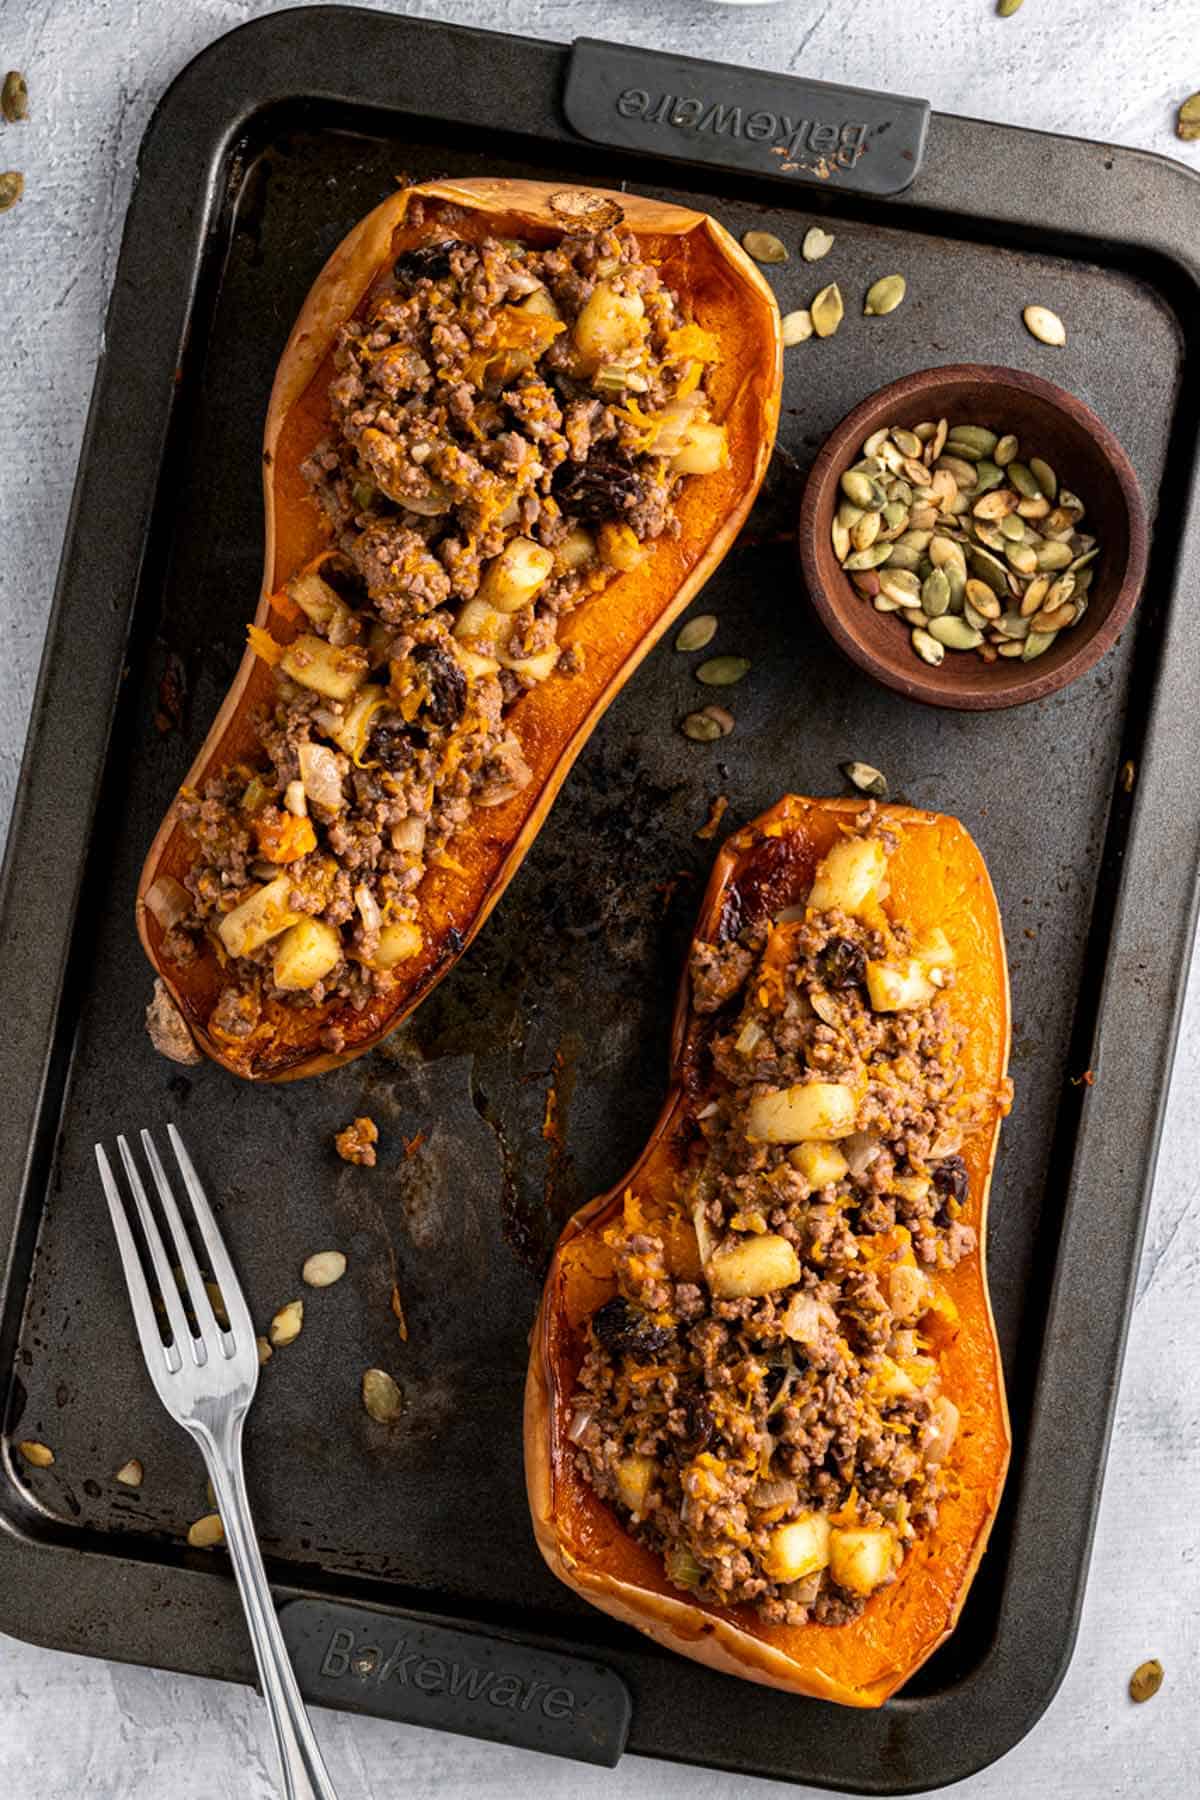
[
  {"x": 1147, "y": 1678},
  {"x": 1012, "y": 625},
  {"x": 723, "y": 720},
  {"x": 1053, "y": 618},
  {"x": 974, "y": 618},
  {"x": 885, "y": 295},
  {"x": 903, "y": 557},
  {"x": 827, "y": 310},
  {"x": 1036, "y": 508},
  {"x": 874, "y": 444},
  {"x": 265, "y": 1352},
  {"x": 204, "y": 1533},
  {"x": 1012, "y": 527},
  {"x": 982, "y": 440},
  {"x": 895, "y": 514},
  {"x": 962, "y": 470},
  {"x": 1187, "y": 125},
  {"x": 130, "y": 1474},
  {"x": 882, "y": 604},
  {"x": 1010, "y": 650},
  {"x": 866, "y": 778},
  {"x": 1022, "y": 557},
  {"x": 722, "y": 671},
  {"x": 764, "y": 247},
  {"x": 900, "y": 585},
  {"x": 700, "y": 728},
  {"x": 1045, "y": 477},
  {"x": 1054, "y": 556},
  {"x": 287, "y": 1324},
  {"x": 928, "y": 648},
  {"x": 14, "y": 97},
  {"x": 944, "y": 550},
  {"x": 980, "y": 596},
  {"x": 1006, "y": 450},
  {"x": 988, "y": 475},
  {"x": 324, "y": 1268},
  {"x": 955, "y": 633},
  {"x": 697, "y": 632},
  {"x": 1034, "y": 596},
  {"x": 40, "y": 1456},
  {"x": 861, "y": 489},
  {"x": 797, "y": 327},
  {"x": 867, "y": 559},
  {"x": 996, "y": 505},
  {"x": 1006, "y": 8},
  {"x": 907, "y": 442},
  {"x": 1045, "y": 326},
  {"x": 866, "y": 531},
  {"x": 1035, "y": 643},
  {"x": 817, "y": 243},
  {"x": 381, "y": 1397},
  {"x": 12, "y": 186},
  {"x": 935, "y": 593}
]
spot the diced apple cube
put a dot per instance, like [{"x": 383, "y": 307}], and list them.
[
  {"x": 849, "y": 876},
  {"x": 818, "y": 1163},
  {"x": 336, "y": 671},
  {"x": 824, "y": 1110},
  {"x": 260, "y": 917},
  {"x": 634, "y": 1475},
  {"x": 861, "y": 1558},
  {"x": 896, "y": 987},
  {"x": 798, "y": 1549},
  {"x": 935, "y": 951},
  {"x": 752, "y": 1266},
  {"x": 397, "y": 943},
  {"x": 307, "y": 952}
]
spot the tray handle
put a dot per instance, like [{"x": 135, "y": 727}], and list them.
[
  {"x": 780, "y": 126},
  {"x": 397, "y": 1666}
]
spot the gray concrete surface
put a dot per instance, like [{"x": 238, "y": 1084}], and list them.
[{"x": 70, "y": 1727}]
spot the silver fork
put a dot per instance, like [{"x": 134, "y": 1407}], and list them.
[{"x": 206, "y": 1383}]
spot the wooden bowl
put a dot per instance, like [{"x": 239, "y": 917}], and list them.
[{"x": 1087, "y": 458}]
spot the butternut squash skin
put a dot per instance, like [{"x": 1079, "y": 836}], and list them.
[
  {"x": 722, "y": 290},
  {"x": 937, "y": 876}
]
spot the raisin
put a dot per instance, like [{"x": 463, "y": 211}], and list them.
[
  {"x": 842, "y": 964},
  {"x": 624, "y": 1329},
  {"x": 390, "y": 746},
  {"x": 951, "y": 1181},
  {"x": 701, "y": 1425},
  {"x": 601, "y": 488},
  {"x": 428, "y": 262},
  {"x": 446, "y": 682}
]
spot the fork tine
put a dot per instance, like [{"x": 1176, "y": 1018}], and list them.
[
  {"x": 210, "y": 1331},
  {"x": 223, "y": 1270},
  {"x": 157, "y": 1354},
  {"x": 181, "y": 1331}
]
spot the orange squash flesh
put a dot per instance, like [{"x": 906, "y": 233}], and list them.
[
  {"x": 937, "y": 877},
  {"x": 720, "y": 288}
]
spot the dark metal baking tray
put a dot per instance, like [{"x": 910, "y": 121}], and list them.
[{"x": 263, "y": 153}]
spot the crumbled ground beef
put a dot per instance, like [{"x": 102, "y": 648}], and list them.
[
  {"x": 475, "y": 409},
  {"x": 715, "y": 1414},
  {"x": 356, "y": 1144}
]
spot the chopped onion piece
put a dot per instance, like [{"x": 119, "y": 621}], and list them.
[
  {"x": 409, "y": 835},
  {"x": 749, "y": 1037},
  {"x": 860, "y": 1151},
  {"x": 321, "y": 776},
  {"x": 783, "y": 1492},
  {"x": 802, "y": 1319},
  {"x": 368, "y": 909},
  {"x": 941, "y": 1430},
  {"x": 704, "y": 1233},
  {"x": 791, "y": 915},
  {"x": 169, "y": 901},
  {"x": 295, "y": 800},
  {"x": 580, "y": 1422}
]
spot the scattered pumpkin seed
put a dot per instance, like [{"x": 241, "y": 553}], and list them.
[
  {"x": 204, "y": 1533},
  {"x": 884, "y": 296},
  {"x": 827, "y": 310},
  {"x": 39, "y": 1455},
  {"x": 1006, "y": 8},
  {"x": 764, "y": 247},
  {"x": 265, "y": 1352},
  {"x": 1146, "y": 1680},
  {"x": 866, "y": 778},
  {"x": 324, "y": 1268},
  {"x": 286, "y": 1326},
  {"x": 723, "y": 671},
  {"x": 130, "y": 1474},
  {"x": 797, "y": 327},
  {"x": 381, "y": 1397},
  {"x": 14, "y": 97},
  {"x": 1044, "y": 325},
  {"x": 936, "y": 523},
  {"x": 1188, "y": 123},
  {"x": 700, "y": 728},
  {"x": 817, "y": 243},
  {"x": 697, "y": 632},
  {"x": 928, "y": 648},
  {"x": 12, "y": 186}
]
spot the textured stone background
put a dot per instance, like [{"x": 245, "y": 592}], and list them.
[{"x": 96, "y": 67}]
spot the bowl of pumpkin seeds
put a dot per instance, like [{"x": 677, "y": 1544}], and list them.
[{"x": 973, "y": 537}]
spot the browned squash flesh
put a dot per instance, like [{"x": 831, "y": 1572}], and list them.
[
  {"x": 721, "y": 290},
  {"x": 936, "y": 877}
]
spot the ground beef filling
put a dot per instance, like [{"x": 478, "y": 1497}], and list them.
[
  {"x": 510, "y": 429},
  {"x": 775, "y": 1427}
]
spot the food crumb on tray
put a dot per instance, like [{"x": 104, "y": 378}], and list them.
[{"x": 356, "y": 1144}]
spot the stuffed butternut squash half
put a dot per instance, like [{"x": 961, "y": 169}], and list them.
[
  {"x": 514, "y": 430},
  {"x": 765, "y": 1414}
]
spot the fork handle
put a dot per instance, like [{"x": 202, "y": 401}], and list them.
[{"x": 302, "y": 1767}]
